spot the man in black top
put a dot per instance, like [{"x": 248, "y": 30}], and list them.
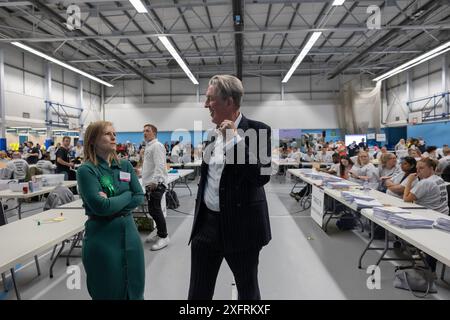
[
  {"x": 33, "y": 155},
  {"x": 63, "y": 164},
  {"x": 362, "y": 145}
]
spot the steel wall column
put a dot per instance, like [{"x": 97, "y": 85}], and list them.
[
  {"x": 2, "y": 95},
  {"x": 48, "y": 96}
]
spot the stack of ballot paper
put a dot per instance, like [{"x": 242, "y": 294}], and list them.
[
  {"x": 362, "y": 204},
  {"x": 329, "y": 178},
  {"x": 337, "y": 185},
  {"x": 443, "y": 224},
  {"x": 351, "y": 196},
  {"x": 411, "y": 221},
  {"x": 314, "y": 176},
  {"x": 384, "y": 213}
]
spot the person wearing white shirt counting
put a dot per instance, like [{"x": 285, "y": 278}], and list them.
[
  {"x": 429, "y": 192},
  {"x": 154, "y": 178}
]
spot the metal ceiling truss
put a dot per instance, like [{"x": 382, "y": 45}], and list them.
[{"x": 216, "y": 34}]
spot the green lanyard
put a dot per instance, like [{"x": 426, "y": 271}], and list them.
[{"x": 107, "y": 185}]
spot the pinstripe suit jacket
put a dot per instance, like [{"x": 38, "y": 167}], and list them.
[{"x": 244, "y": 214}]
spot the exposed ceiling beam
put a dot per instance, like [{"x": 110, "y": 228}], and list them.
[
  {"x": 427, "y": 8},
  {"x": 39, "y": 4},
  {"x": 273, "y": 52},
  {"x": 198, "y": 33},
  {"x": 238, "y": 23}
]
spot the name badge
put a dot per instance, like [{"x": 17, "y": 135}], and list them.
[{"x": 125, "y": 176}]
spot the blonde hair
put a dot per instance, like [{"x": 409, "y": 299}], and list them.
[
  {"x": 91, "y": 136},
  {"x": 385, "y": 158},
  {"x": 359, "y": 157},
  {"x": 228, "y": 86}
]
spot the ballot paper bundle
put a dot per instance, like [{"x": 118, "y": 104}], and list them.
[
  {"x": 363, "y": 204},
  {"x": 337, "y": 185},
  {"x": 410, "y": 221},
  {"x": 443, "y": 224},
  {"x": 384, "y": 213},
  {"x": 314, "y": 176},
  {"x": 351, "y": 196}
]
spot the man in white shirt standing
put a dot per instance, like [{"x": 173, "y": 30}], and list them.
[{"x": 154, "y": 178}]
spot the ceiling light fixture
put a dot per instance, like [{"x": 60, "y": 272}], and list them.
[
  {"x": 139, "y": 6},
  {"x": 177, "y": 57},
  {"x": 62, "y": 64},
  {"x": 416, "y": 61},
  {"x": 302, "y": 55}
]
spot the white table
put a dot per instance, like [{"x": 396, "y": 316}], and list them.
[
  {"x": 434, "y": 242},
  {"x": 77, "y": 204},
  {"x": 30, "y": 239},
  {"x": 8, "y": 194}
]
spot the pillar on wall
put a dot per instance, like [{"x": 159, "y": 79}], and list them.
[
  {"x": 2, "y": 102},
  {"x": 48, "y": 96},
  {"x": 80, "y": 106}
]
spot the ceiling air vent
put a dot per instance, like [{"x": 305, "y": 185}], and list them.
[{"x": 25, "y": 115}]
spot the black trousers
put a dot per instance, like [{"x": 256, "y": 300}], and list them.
[
  {"x": 154, "y": 208},
  {"x": 206, "y": 257}
]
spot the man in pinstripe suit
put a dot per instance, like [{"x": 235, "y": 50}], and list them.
[{"x": 231, "y": 215}]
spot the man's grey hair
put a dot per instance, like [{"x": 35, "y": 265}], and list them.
[{"x": 228, "y": 86}]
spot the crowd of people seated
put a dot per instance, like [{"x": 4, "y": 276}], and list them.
[
  {"x": 413, "y": 171},
  {"x": 30, "y": 159}
]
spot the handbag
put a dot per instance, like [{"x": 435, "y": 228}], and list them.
[{"x": 415, "y": 280}]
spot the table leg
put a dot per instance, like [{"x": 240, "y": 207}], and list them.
[
  {"x": 4, "y": 282},
  {"x": 19, "y": 208},
  {"x": 372, "y": 236},
  {"x": 13, "y": 277},
  {"x": 37, "y": 265},
  {"x": 56, "y": 258},
  {"x": 386, "y": 247}
]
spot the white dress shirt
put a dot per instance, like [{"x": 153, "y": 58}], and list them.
[
  {"x": 154, "y": 165},
  {"x": 215, "y": 168}
]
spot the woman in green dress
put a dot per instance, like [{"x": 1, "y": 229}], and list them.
[{"x": 113, "y": 256}]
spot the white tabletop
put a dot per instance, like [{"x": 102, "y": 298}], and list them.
[
  {"x": 19, "y": 195},
  {"x": 172, "y": 177},
  {"x": 384, "y": 198},
  {"x": 197, "y": 163},
  {"x": 74, "y": 204},
  {"x": 285, "y": 162},
  {"x": 22, "y": 239},
  {"x": 434, "y": 242}
]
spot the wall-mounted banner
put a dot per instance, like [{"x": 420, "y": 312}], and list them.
[{"x": 381, "y": 137}]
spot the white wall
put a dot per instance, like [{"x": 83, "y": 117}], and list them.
[
  {"x": 291, "y": 114},
  {"x": 309, "y": 103},
  {"x": 25, "y": 89}
]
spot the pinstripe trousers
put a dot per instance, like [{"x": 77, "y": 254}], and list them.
[{"x": 207, "y": 253}]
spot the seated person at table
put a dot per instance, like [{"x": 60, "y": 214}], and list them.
[
  {"x": 396, "y": 184},
  {"x": 324, "y": 156},
  {"x": 334, "y": 169},
  {"x": 429, "y": 192},
  {"x": 18, "y": 166},
  {"x": 309, "y": 156},
  {"x": 387, "y": 169},
  {"x": 382, "y": 151},
  {"x": 415, "y": 153},
  {"x": 364, "y": 171},
  {"x": 345, "y": 165},
  {"x": 430, "y": 153},
  {"x": 444, "y": 161},
  {"x": 295, "y": 154},
  {"x": 45, "y": 165}
]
